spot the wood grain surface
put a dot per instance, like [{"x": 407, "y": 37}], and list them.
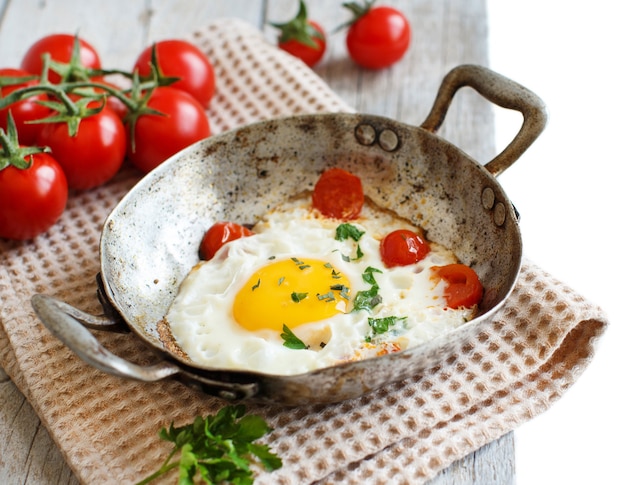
[{"x": 445, "y": 33}]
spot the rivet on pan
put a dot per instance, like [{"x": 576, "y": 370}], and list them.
[
  {"x": 388, "y": 140},
  {"x": 488, "y": 198},
  {"x": 499, "y": 214},
  {"x": 365, "y": 134}
]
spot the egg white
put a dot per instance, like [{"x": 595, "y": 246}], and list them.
[{"x": 201, "y": 316}]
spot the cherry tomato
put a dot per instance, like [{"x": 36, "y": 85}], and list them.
[
  {"x": 158, "y": 137},
  {"x": 463, "y": 288},
  {"x": 338, "y": 194},
  {"x": 309, "y": 54},
  {"x": 403, "y": 247},
  {"x": 91, "y": 157},
  {"x": 179, "y": 58},
  {"x": 25, "y": 110},
  {"x": 302, "y": 38},
  {"x": 31, "y": 199},
  {"x": 60, "y": 47},
  {"x": 379, "y": 37},
  {"x": 219, "y": 234}
]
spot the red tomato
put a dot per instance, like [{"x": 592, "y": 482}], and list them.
[
  {"x": 25, "y": 110},
  {"x": 379, "y": 37},
  {"x": 403, "y": 247},
  {"x": 178, "y": 58},
  {"x": 31, "y": 199},
  {"x": 158, "y": 137},
  {"x": 91, "y": 157},
  {"x": 302, "y": 38},
  {"x": 463, "y": 288},
  {"x": 219, "y": 234},
  {"x": 309, "y": 54},
  {"x": 338, "y": 194},
  {"x": 60, "y": 47}
]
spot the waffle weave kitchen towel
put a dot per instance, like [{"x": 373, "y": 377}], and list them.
[{"x": 107, "y": 428}]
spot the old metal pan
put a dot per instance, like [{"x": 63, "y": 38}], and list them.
[{"x": 150, "y": 240}]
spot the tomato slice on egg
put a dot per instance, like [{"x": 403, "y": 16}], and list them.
[
  {"x": 219, "y": 234},
  {"x": 463, "y": 288},
  {"x": 403, "y": 247},
  {"x": 338, "y": 194}
]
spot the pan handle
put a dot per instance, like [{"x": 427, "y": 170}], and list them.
[
  {"x": 62, "y": 321},
  {"x": 501, "y": 91},
  {"x": 68, "y": 324}
]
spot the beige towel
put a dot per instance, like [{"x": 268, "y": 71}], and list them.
[{"x": 106, "y": 427}]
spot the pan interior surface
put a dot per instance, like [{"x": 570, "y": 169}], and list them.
[{"x": 150, "y": 241}]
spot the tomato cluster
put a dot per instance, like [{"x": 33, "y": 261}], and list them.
[
  {"x": 377, "y": 37},
  {"x": 84, "y": 126}
]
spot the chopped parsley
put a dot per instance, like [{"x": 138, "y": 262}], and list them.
[
  {"x": 290, "y": 339},
  {"x": 382, "y": 325},
  {"x": 258, "y": 283},
  {"x": 342, "y": 289},
  {"x": 301, "y": 264},
  {"x": 367, "y": 299},
  {"x": 359, "y": 255},
  {"x": 280, "y": 280},
  {"x": 368, "y": 275},
  {"x": 328, "y": 297},
  {"x": 348, "y": 231},
  {"x": 298, "y": 297}
]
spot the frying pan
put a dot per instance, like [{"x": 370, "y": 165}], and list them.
[{"x": 150, "y": 240}]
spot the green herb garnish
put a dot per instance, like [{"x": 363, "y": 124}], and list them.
[
  {"x": 382, "y": 325},
  {"x": 367, "y": 299},
  {"x": 217, "y": 448},
  {"x": 298, "y": 297},
  {"x": 343, "y": 291},
  {"x": 368, "y": 275},
  {"x": 290, "y": 339},
  {"x": 345, "y": 231},
  {"x": 301, "y": 264},
  {"x": 258, "y": 283},
  {"x": 330, "y": 296}
]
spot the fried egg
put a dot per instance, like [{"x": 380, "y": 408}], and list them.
[{"x": 293, "y": 297}]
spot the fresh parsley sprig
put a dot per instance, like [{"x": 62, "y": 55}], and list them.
[
  {"x": 217, "y": 449},
  {"x": 290, "y": 340}
]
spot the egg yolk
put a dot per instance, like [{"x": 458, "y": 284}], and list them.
[{"x": 291, "y": 292}]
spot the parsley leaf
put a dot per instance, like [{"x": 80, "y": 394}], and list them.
[
  {"x": 290, "y": 339},
  {"x": 298, "y": 297},
  {"x": 217, "y": 448},
  {"x": 367, "y": 299},
  {"x": 345, "y": 231},
  {"x": 368, "y": 275},
  {"x": 381, "y": 325}
]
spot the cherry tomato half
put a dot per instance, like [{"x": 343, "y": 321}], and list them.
[
  {"x": 179, "y": 58},
  {"x": 31, "y": 199},
  {"x": 91, "y": 157},
  {"x": 463, "y": 288},
  {"x": 219, "y": 234},
  {"x": 379, "y": 38},
  {"x": 403, "y": 247},
  {"x": 338, "y": 194},
  {"x": 158, "y": 137},
  {"x": 25, "y": 110},
  {"x": 60, "y": 47}
]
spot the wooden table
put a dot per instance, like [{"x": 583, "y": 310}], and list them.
[{"x": 445, "y": 34}]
